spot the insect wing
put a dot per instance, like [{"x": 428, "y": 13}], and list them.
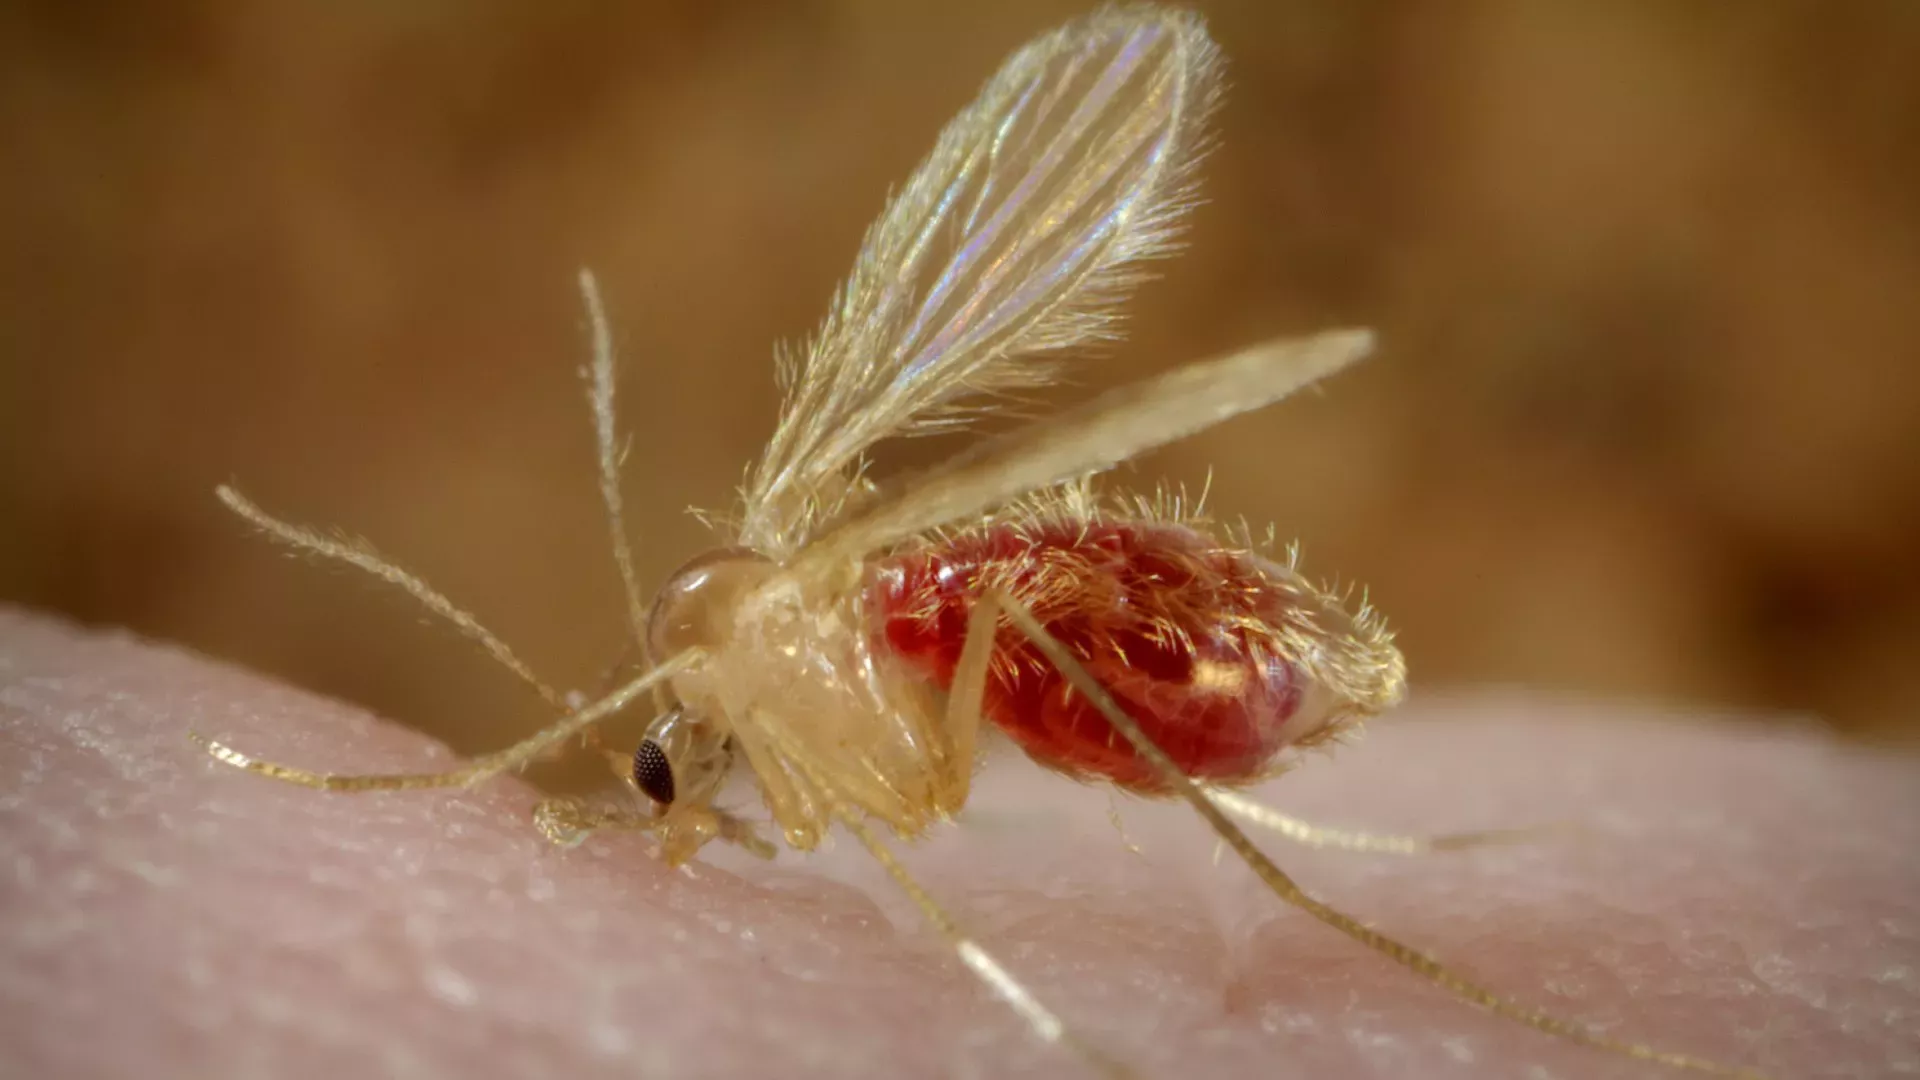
[
  {"x": 1015, "y": 237},
  {"x": 1109, "y": 429}
]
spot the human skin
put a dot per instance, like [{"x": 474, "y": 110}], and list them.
[{"x": 1743, "y": 892}]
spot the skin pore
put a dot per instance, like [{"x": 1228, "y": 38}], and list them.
[{"x": 1743, "y": 892}]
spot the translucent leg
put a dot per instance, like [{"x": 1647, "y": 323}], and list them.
[
  {"x": 1285, "y": 888},
  {"x": 1322, "y": 836},
  {"x": 1042, "y": 1021},
  {"x": 965, "y": 699}
]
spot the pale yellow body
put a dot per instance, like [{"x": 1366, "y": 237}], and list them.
[
  {"x": 787, "y": 671},
  {"x": 1013, "y": 240}
]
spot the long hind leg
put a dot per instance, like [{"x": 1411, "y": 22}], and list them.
[
  {"x": 1308, "y": 834},
  {"x": 1287, "y": 890}
]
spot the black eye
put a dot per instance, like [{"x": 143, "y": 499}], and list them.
[{"x": 652, "y": 773}]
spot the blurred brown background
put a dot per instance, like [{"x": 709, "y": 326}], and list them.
[{"x": 1649, "y": 275}]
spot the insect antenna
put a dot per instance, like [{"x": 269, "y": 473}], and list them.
[
  {"x": 358, "y": 553},
  {"x": 1286, "y": 889},
  {"x": 600, "y": 383},
  {"x": 475, "y": 770}
]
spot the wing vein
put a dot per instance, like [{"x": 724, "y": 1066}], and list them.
[{"x": 1010, "y": 243}]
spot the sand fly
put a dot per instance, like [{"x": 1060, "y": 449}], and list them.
[{"x": 849, "y": 642}]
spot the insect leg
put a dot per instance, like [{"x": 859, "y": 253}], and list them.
[
  {"x": 359, "y": 554},
  {"x": 1323, "y": 836},
  {"x": 599, "y": 376},
  {"x": 965, "y": 700},
  {"x": 1287, "y": 890},
  {"x": 1045, "y": 1025},
  {"x": 475, "y": 770}
]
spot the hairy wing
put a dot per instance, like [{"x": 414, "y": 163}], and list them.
[
  {"x": 1109, "y": 429},
  {"x": 1015, "y": 236}
]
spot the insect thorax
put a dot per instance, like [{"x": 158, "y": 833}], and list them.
[{"x": 789, "y": 672}]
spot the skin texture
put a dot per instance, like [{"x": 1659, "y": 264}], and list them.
[{"x": 1744, "y": 893}]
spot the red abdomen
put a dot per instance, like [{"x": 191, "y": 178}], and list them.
[{"x": 1183, "y": 632}]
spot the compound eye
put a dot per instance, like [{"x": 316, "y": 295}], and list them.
[{"x": 652, "y": 774}]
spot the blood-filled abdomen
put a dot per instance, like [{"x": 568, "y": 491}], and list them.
[{"x": 1188, "y": 635}]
